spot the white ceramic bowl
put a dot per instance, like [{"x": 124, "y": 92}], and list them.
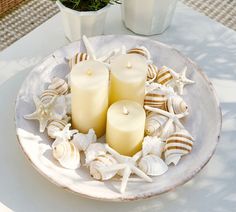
[{"x": 204, "y": 122}]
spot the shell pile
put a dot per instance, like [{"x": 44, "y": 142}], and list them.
[{"x": 165, "y": 142}]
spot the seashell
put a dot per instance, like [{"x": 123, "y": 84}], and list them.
[
  {"x": 141, "y": 51},
  {"x": 82, "y": 141},
  {"x": 152, "y": 165},
  {"x": 178, "y": 144},
  {"x": 151, "y": 73},
  {"x": 154, "y": 124},
  {"x": 67, "y": 155},
  {"x": 56, "y": 125},
  {"x": 47, "y": 96},
  {"x": 99, "y": 165},
  {"x": 164, "y": 75},
  {"x": 59, "y": 85},
  {"x": 78, "y": 57},
  {"x": 93, "y": 151},
  {"x": 152, "y": 145},
  {"x": 178, "y": 105},
  {"x": 155, "y": 98}
]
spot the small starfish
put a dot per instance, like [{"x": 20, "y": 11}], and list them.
[
  {"x": 172, "y": 117},
  {"x": 44, "y": 112},
  {"x": 180, "y": 80},
  {"x": 128, "y": 165}
]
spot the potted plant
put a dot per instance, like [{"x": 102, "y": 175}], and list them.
[{"x": 83, "y": 17}]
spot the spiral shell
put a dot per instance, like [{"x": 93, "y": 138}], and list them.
[
  {"x": 59, "y": 85},
  {"x": 100, "y": 164},
  {"x": 152, "y": 165},
  {"x": 155, "y": 98},
  {"x": 67, "y": 155},
  {"x": 154, "y": 124},
  {"x": 178, "y": 105},
  {"x": 178, "y": 144},
  {"x": 151, "y": 73},
  {"x": 93, "y": 151},
  {"x": 152, "y": 145},
  {"x": 140, "y": 51},
  {"x": 164, "y": 75},
  {"x": 78, "y": 57},
  {"x": 56, "y": 125},
  {"x": 47, "y": 96}
]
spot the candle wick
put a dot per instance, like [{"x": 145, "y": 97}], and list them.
[
  {"x": 89, "y": 72},
  {"x": 129, "y": 65},
  {"x": 125, "y": 111}
]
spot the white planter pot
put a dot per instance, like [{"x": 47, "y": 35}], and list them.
[
  {"x": 148, "y": 17},
  {"x": 76, "y": 24}
]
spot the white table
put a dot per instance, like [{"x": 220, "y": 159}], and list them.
[{"x": 209, "y": 43}]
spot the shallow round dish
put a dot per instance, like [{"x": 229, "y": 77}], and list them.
[{"x": 204, "y": 123}]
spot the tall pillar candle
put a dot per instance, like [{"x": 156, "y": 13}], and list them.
[
  {"x": 125, "y": 127},
  {"x": 89, "y": 96},
  {"x": 128, "y": 77}
]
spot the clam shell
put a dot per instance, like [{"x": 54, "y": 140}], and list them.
[
  {"x": 47, "y": 95},
  {"x": 178, "y": 144},
  {"x": 93, "y": 151},
  {"x": 164, "y": 75},
  {"x": 59, "y": 85},
  {"x": 151, "y": 73},
  {"x": 82, "y": 141},
  {"x": 152, "y": 145},
  {"x": 152, "y": 165},
  {"x": 67, "y": 155},
  {"x": 100, "y": 164},
  {"x": 178, "y": 105},
  {"x": 56, "y": 125},
  {"x": 78, "y": 57},
  {"x": 140, "y": 51}
]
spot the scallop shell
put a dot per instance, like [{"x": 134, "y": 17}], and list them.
[
  {"x": 82, "y": 141},
  {"x": 100, "y": 164},
  {"x": 151, "y": 73},
  {"x": 152, "y": 145},
  {"x": 78, "y": 57},
  {"x": 56, "y": 125},
  {"x": 165, "y": 75},
  {"x": 59, "y": 85},
  {"x": 47, "y": 96},
  {"x": 141, "y": 51},
  {"x": 178, "y": 144},
  {"x": 93, "y": 151},
  {"x": 178, "y": 105},
  {"x": 67, "y": 155},
  {"x": 152, "y": 165},
  {"x": 154, "y": 124}
]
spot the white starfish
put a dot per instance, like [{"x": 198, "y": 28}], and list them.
[
  {"x": 128, "y": 165},
  {"x": 180, "y": 80},
  {"x": 172, "y": 117},
  {"x": 45, "y": 112}
]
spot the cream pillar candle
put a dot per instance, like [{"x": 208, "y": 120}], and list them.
[
  {"x": 89, "y": 96},
  {"x": 128, "y": 77},
  {"x": 125, "y": 127}
]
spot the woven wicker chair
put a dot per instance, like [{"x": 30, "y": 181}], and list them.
[{"x": 8, "y": 4}]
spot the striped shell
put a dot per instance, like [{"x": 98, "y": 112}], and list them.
[
  {"x": 56, "y": 126},
  {"x": 67, "y": 155},
  {"x": 178, "y": 105},
  {"x": 164, "y": 75},
  {"x": 178, "y": 144},
  {"x": 100, "y": 164},
  {"x": 155, "y": 98},
  {"x": 152, "y": 165},
  {"x": 154, "y": 124},
  {"x": 151, "y": 73},
  {"x": 140, "y": 51},
  {"x": 47, "y": 95},
  {"x": 59, "y": 85},
  {"x": 78, "y": 57}
]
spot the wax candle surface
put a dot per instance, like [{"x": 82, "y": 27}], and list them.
[
  {"x": 125, "y": 127},
  {"x": 128, "y": 77},
  {"x": 89, "y": 96}
]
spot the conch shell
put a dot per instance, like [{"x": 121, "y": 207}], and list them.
[
  {"x": 78, "y": 57},
  {"x": 152, "y": 165},
  {"x": 152, "y": 145},
  {"x": 151, "y": 73},
  {"x": 143, "y": 51},
  {"x": 100, "y": 164},
  {"x": 48, "y": 95},
  {"x": 178, "y": 105},
  {"x": 82, "y": 141},
  {"x": 165, "y": 75},
  {"x": 59, "y": 85},
  {"x": 93, "y": 151},
  {"x": 178, "y": 144},
  {"x": 67, "y": 155}
]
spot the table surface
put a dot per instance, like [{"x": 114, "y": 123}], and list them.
[{"x": 205, "y": 41}]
